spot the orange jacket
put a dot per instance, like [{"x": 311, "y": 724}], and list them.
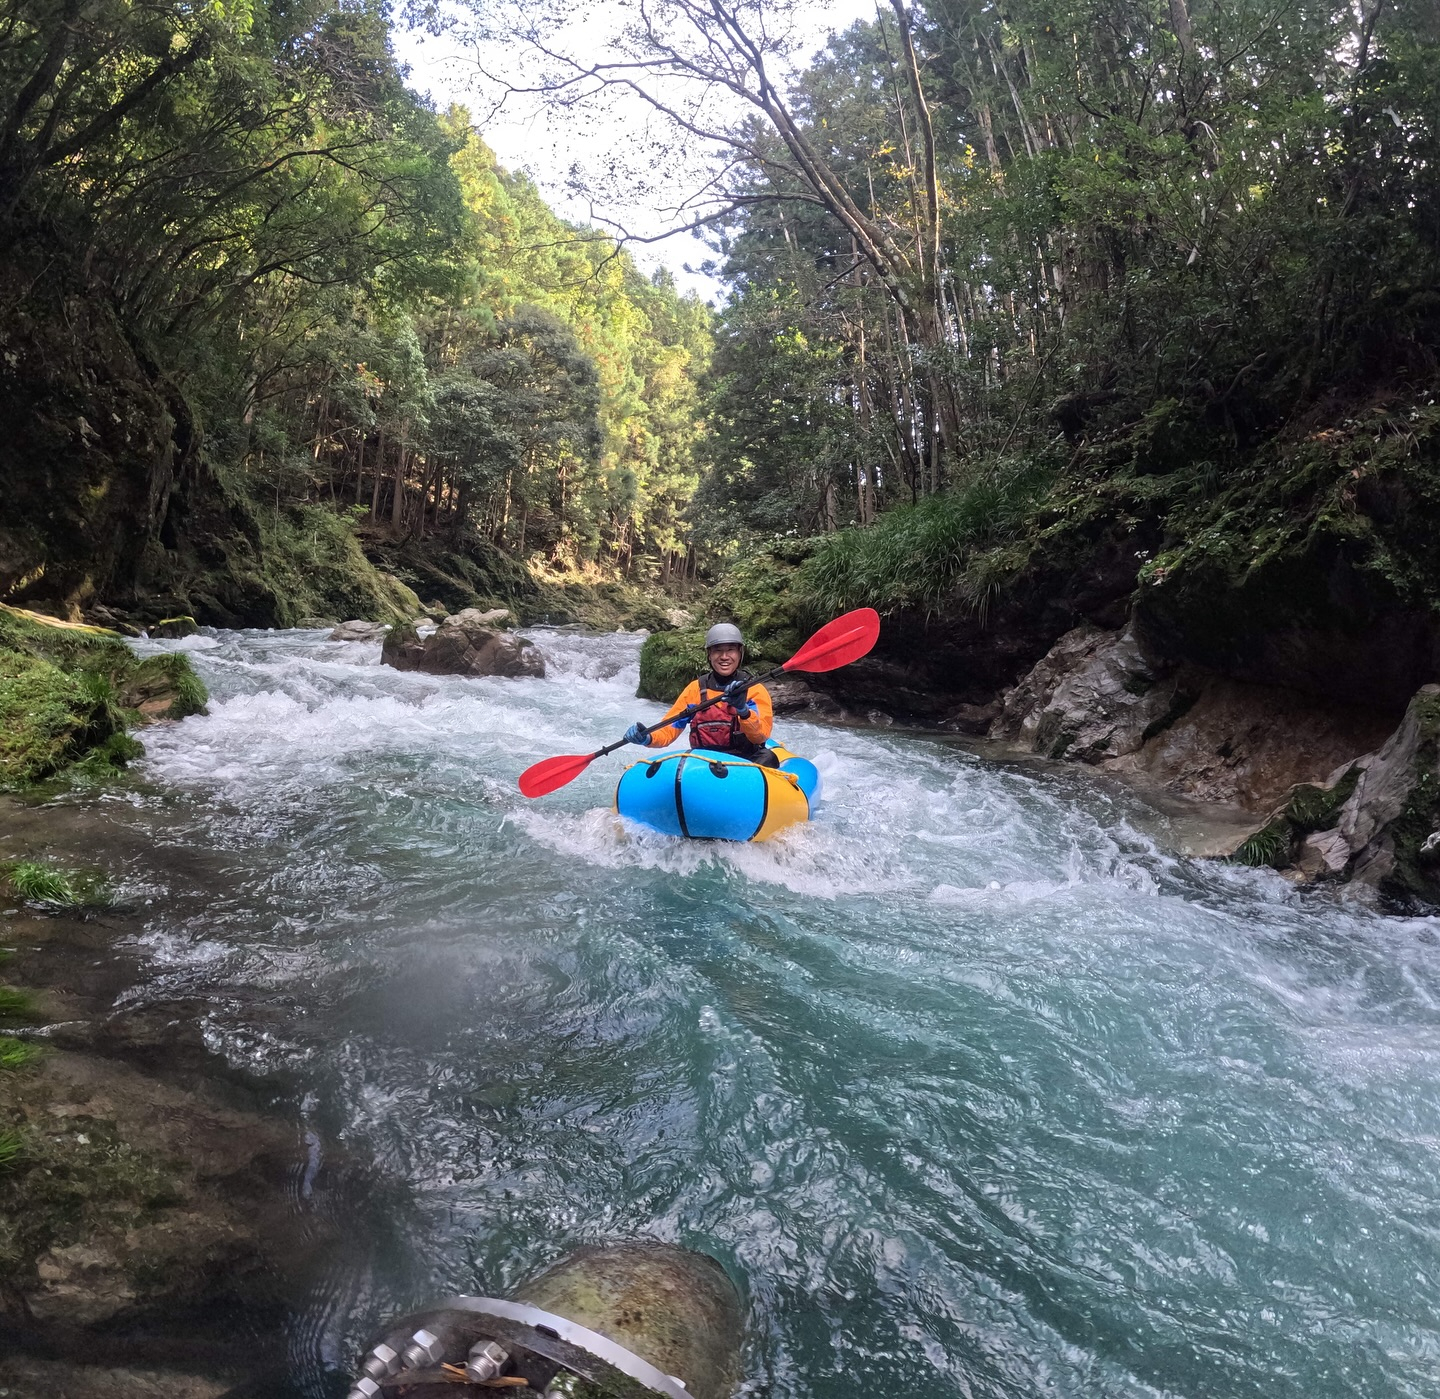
[{"x": 755, "y": 726}]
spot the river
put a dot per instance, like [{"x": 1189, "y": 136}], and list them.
[{"x": 974, "y": 1087}]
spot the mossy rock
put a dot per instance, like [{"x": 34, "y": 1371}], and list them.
[
  {"x": 64, "y": 696},
  {"x": 164, "y": 687},
  {"x": 49, "y": 718}
]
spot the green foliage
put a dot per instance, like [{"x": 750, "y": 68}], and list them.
[
  {"x": 1269, "y": 847},
  {"x": 16, "y": 1054},
  {"x": 757, "y": 593},
  {"x": 670, "y": 660},
  {"x": 50, "y": 885},
  {"x": 1314, "y": 808},
  {"x": 956, "y": 546}
]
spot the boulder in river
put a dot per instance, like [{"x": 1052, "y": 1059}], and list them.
[
  {"x": 359, "y": 630},
  {"x": 463, "y": 645}
]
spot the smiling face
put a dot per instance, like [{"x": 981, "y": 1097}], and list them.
[{"x": 724, "y": 660}]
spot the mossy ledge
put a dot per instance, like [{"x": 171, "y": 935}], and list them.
[{"x": 70, "y": 694}]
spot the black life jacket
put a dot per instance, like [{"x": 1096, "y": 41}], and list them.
[{"x": 717, "y": 727}]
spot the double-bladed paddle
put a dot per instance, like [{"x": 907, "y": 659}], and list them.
[{"x": 836, "y": 644}]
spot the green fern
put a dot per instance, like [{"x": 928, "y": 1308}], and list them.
[{"x": 1268, "y": 847}]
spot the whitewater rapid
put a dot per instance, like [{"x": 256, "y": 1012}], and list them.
[{"x": 974, "y": 1086}]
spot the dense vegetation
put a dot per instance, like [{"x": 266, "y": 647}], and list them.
[
  {"x": 1035, "y": 314},
  {"x": 1052, "y": 309},
  {"x": 258, "y": 298}
]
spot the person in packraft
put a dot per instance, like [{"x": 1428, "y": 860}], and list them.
[{"x": 739, "y": 720}]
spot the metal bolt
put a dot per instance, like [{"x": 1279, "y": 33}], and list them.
[
  {"x": 382, "y": 1362},
  {"x": 486, "y": 1360},
  {"x": 564, "y": 1386},
  {"x": 425, "y": 1348},
  {"x": 364, "y": 1389}
]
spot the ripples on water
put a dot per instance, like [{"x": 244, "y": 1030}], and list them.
[{"x": 975, "y": 1090}]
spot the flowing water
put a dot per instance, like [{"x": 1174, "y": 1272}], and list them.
[{"x": 974, "y": 1088}]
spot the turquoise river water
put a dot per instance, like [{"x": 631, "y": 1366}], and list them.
[{"x": 973, "y": 1087}]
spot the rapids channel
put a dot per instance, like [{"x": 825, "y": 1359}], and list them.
[{"x": 974, "y": 1087}]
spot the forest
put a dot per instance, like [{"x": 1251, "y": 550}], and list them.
[
  {"x": 1131, "y": 291},
  {"x": 259, "y": 299}
]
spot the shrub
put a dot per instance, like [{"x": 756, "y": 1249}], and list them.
[{"x": 920, "y": 555}]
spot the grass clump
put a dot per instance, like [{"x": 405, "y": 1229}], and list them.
[
  {"x": 960, "y": 542},
  {"x": 12, "y": 1148},
  {"x": 54, "y": 887},
  {"x": 16, "y": 1054},
  {"x": 16, "y": 1004},
  {"x": 1269, "y": 847}
]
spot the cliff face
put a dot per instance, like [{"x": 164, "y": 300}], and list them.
[{"x": 95, "y": 444}]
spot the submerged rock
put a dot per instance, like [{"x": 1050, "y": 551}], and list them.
[
  {"x": 359, "y": 630},
  {"x": 463, "y": 644}
]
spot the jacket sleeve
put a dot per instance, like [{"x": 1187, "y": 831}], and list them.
[
  {"x": 756, "y": 726},
  {"x": 662, "y": 738}
]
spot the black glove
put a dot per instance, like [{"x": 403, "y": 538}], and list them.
[
  {"x": 637, "y": 733},
  {"x": 735, "y": 693}
]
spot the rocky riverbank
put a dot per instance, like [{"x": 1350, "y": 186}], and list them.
[{"x": 164, "y": 1216}]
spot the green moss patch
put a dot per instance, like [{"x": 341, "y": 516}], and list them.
[{"x": 68, "y": 694}]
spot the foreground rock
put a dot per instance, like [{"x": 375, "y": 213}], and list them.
[
  {"x": 465, "y": 643},
  {"x": 152, "y": 1238}
]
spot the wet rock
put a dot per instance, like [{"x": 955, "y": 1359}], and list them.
[
  {"x": 80, "y": 1285},
  {"x": 403, "y": 648},
  {"x": 474, "y": 617},
  {"x": 1094, "y": 696},
  {"x": 359, "y": 630},
  {"x": 973, "y": 719},
  {"x": 316, "y": 623},
  {"x": 1373, "y": 822},
  {"x": 794, "y": 696},
  {"x": 1101, "y": 698},
  {"x": 1390, "y": 818},
  {"x": 29, "y": 1375},
  {"x": 163, "y": 687},
  {"x": 463, "y": 644},
  {"x": 169, "y": 628},
  {"x": 1323, "y": 853}
]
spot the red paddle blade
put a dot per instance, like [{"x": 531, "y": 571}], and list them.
[
  {"x": 546, "y": 776},
  {"x": 839, "y": 642}
]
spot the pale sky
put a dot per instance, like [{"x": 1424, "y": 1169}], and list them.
[{"x": 547, "y": 145}]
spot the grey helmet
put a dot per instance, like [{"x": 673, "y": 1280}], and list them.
[{"x": 724, "y": 634}]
